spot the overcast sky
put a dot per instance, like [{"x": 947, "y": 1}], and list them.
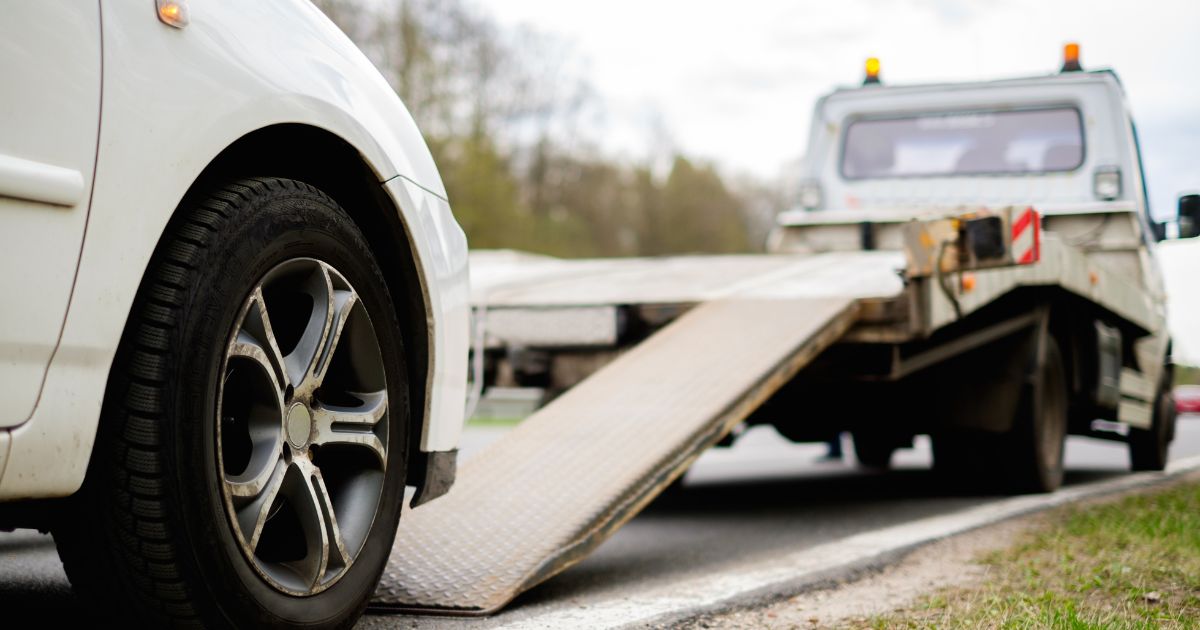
[{"x": 734, "y": 82}]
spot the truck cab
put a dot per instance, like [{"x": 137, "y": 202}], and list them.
[{"x": 1064, "y": 143}]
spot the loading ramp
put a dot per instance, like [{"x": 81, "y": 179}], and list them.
[{"x": 549, "y": 492}]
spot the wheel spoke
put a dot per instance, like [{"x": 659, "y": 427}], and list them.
[
  {"x": 300, "y": 360},
  {"x": 245, "y": 345},
  {"x": 338, "y": 556},
  {"x": 308, "y": 362},
  {"x": 343, "y": 306},
  {"x": 258, "y": 323},
  {"x": 263, "y": 425},
  {"x": 354, "y": 426},
  {"x": 304, "y": 499},
  {"x": 251, "y": 486},
  {"x": 253, "y": 516}
]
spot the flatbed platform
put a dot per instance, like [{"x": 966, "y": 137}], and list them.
[{"x": 509, "y": 279}]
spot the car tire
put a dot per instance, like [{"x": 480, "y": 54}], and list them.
[
  {"x": 1148, "y": 448},
  {"x": 160, "y": 533}
]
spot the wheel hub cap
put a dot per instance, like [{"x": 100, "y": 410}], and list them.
[{"x": 299, "y": 425}]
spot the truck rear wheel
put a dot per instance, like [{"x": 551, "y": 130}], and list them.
[
  {"x": 1148, "y": 447},
  {"x": 1030, "y": 455}
]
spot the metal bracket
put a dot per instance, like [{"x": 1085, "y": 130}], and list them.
[{"x": 904, "y": 366}]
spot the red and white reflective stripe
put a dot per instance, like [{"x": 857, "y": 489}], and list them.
[{"x": 1027, "y": 237}]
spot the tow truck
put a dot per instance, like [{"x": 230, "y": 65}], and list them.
[{"x": 972, "y": 261}]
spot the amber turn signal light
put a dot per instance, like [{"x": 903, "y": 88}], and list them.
[
  {"x": 173, "y": 12},
  {"x": 1071, "y": 58},
  {"x": 872, "y": 77}
]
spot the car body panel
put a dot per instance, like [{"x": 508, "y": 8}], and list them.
[
  {"x": 235, "y": 69},
  {"x": 49, "y": 117},
  {"x": 443, "y": 251}
]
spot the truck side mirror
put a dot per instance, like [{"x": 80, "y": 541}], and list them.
[
  {"x": 1159, "y": 230},
  {"x": 1189, "y": 216}
]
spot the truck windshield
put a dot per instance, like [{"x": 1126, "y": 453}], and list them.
[{"x": 964, "y": 143}]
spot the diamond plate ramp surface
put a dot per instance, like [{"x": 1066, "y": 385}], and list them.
[{"x": 547, "y": 493}]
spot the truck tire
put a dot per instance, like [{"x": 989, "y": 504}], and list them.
[
  {"x": 874, "y": 451},
  {"x": 1148, "y": 448},
  {"x": 250, "y": 464},
  {"x": 1029, "y": 456}
]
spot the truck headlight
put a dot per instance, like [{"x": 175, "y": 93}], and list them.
[
  {"x": 810, "y": 195},
  {"x": 1106, "y": 183}
]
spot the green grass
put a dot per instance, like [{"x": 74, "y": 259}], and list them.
[
  {"x": 1134, "y": 563},
  {"x": 1187, "y": 375},
  {"x": 494, "y": 422}
]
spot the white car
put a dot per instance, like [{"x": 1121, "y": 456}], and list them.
[{"x": 234, "y": 315}]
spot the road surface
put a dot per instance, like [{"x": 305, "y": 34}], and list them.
[{"x": 761, "y": 498}]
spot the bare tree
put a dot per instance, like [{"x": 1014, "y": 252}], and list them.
[{"x": 502, "y": 111}]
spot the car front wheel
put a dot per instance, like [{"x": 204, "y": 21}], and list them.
[{"x": 249, "y": 469}]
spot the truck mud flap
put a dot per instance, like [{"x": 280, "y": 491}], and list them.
[{"x": 548, "y": 493}]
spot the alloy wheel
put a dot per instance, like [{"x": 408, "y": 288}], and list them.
[{"x": 302, "y": 426}]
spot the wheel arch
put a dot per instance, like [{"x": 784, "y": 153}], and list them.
[{"x": 342, "y": 172}]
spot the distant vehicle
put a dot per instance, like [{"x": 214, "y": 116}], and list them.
[
  {"x": 234, "y": 319},
  {"x": 1187, "y": 398}
]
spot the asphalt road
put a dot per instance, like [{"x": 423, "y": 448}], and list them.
[{"x": 761, "y": 498}]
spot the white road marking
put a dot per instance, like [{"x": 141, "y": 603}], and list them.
[{"x": 742, "y": 583}]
